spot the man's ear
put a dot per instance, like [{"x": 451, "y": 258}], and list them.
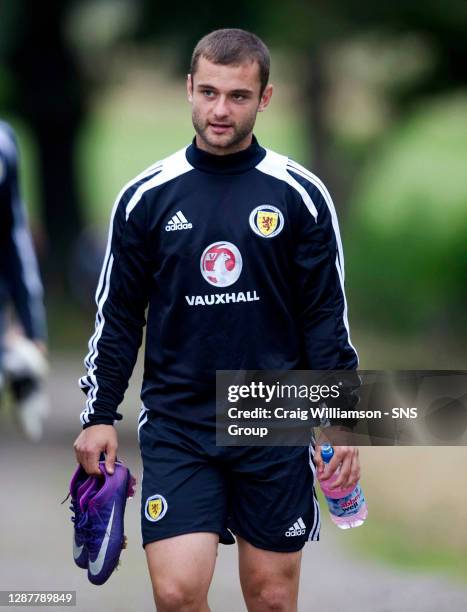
[
  {"x": 189, "y": 87},
  {"x": 265, "y": 98}
]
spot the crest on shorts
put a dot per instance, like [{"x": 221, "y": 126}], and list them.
[
  {"x": 155, "y": 508},
  {"x": 266, "y": 221}
]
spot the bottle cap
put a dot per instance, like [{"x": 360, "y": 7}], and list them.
[{"x": 327, "y": 452}]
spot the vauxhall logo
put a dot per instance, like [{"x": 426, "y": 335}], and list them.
[
  {"x": 221, "y": 298},
  {"x": 221, "y": 265}
]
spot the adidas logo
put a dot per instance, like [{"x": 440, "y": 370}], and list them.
[
  {"x": 178, "y": 222},
  {"x": 297, "y": 529}
]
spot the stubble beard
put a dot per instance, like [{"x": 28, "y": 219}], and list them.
[{"x": 239, "y": 133}]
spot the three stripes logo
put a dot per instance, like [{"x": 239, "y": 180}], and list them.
[
  {"x": 178, "y": 222},
  {"x": 297, "y": 529}
]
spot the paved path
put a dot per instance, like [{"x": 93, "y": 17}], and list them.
[{"x": 35, "y": 534}]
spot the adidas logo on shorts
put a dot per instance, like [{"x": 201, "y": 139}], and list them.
[
  {"x": 178, "y": 222},
  {"x": 297, "y": 529}
]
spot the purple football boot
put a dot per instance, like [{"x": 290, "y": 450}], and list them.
[
  {"x": 79, "y": 485},
  {"x": 103, "y": 521}
]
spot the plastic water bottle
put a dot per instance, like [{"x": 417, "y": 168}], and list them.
[{"x": 347, "y": 506}]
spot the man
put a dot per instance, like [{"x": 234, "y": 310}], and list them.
[
  {"x": 225, "y": 291},
  {"x": 22, "y": 352}
]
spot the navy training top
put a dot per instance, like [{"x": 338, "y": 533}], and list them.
[{"x": 238, "y": 260}]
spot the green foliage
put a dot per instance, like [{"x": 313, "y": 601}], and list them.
[
  {"x": 395, "y": 544},
  {"x": 406, "y": 243}
]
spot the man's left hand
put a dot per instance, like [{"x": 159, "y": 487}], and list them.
[{"x": 345, "y": 457}]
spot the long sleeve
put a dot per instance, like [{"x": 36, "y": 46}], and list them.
[
  {"x": 18, "y": 265},
  {"x": 121, "y": 298},
  {"x": 319, "y": 266}
]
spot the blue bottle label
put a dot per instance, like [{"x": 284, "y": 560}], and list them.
[{"x": 348, "y": 505}]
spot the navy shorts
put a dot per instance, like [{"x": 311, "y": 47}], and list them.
[{"x": 264, "y": 494}]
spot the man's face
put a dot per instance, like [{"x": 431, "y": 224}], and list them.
[{"x": 225, "y": 100}]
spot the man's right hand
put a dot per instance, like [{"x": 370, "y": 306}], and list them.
[{"x": 93, "y": 441}]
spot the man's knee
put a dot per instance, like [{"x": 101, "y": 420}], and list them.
[
  {"x": 269, "y": 579},
  {"x": 178, "y": 596},
  {"x": 271, "y": 596},
  {"x": 181, "y": 569}
]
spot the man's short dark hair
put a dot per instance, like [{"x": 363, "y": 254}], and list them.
[{"x": 232, "y": 46}]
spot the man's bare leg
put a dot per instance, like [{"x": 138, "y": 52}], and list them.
[
  {"x": 269, "y": 579},
  {"x": 181, "y": 570}
]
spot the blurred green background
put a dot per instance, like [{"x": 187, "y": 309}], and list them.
[{"x": 371, "y": 98}]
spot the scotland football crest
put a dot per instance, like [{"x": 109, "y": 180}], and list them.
[
  {"x": 155, "y": 508},
  {"x": 266, "y": 221}
]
